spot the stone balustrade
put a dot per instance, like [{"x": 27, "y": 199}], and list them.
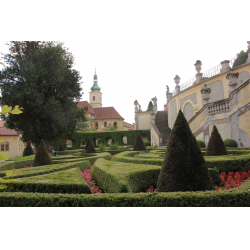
[{"x": 222, "y": 106}]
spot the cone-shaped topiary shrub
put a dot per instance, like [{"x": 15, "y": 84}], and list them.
[
  {"x": 139, "y": 144},
  {"x": 230, "y": 143},
  {"x": 184, "y": 167},
  {"x": 201, "y": 144},
  {"x": 42, "y": 156},
  {"x": 61, "y": 148},
  {"x": 215, "y": 145},
  {"x": 91, "y": 148},
  {"x": 28, "y": 150}
]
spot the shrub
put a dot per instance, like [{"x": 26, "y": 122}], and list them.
[
  {"x": 139, "y": 144},
  {"x": 91, "y": 148},
  {"x": 215, "y": 145},
  {"x": 102, "y": 147},
  {"x": 114, "y": 146},
  {"x": 60, "y": 148},
  {"x": 230, "y": 143},
  {"x": 42, "y": 156},
  {"x": 66, "y": 181},
  {"x": 201, "y": 144},
  {"x": 28, "y": 150},
  {"x": 147, "y": 143},
  {"x": 184, "y": 167},
  {"x": 150, "y": 106}
]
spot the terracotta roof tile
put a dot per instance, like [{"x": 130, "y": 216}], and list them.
[
  {"x": 6, "y": 131},
  {"x": 106, "y": 113},
  {"x": 84, "y": 104}
]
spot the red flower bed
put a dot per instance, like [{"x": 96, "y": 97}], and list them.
[
  {"x": 232, "y": 180},
  {"x": 87, "y": 177},
  {"x": 26, "y": 167}
]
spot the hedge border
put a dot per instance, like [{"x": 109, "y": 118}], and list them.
[{"x": 239, "y": 197}]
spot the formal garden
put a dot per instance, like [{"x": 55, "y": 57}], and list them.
[
  {"x": 40, "y": 90},
  {"x": 184, "y": 174}
]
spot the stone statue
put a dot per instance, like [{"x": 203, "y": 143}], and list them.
[
  {"x": 136, "y": 103},
  {"x": 155, "y": 104},
  {"x": 154, "y": 100},
  {"x": 167, "y": 89}
]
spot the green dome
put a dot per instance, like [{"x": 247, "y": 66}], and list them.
[{"x": 95, "y": 87}]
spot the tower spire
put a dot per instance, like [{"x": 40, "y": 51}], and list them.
[{"x": 95, "y": 86}]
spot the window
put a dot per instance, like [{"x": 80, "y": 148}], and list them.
[
  {"x": 105, "y": 124},
  {"x": 93, "y": 98},
  {"x": 115, "y": 124},
  {"x": 5, "y": 146},
  {"x": 96, "y": 125}
]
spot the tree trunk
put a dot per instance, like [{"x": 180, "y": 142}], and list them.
[{"x": 48, "y": 144}]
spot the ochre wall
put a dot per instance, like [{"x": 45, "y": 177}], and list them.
[
  {"x": 197, "y": 88},
  {"x": 16, "y": 146},
  {"x": 143, "y": 120},
  {"x": 109, "y": 121}
]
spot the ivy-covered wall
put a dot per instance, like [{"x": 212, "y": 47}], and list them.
[{"x": 80, "y": 138}]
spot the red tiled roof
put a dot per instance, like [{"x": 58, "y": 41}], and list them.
[
  {"x": 84, "y": 104},
  {"x": 6, "y": 131},
  {"x": 106, "y": 113}
]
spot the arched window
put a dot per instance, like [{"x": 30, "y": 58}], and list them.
[
  {"x": 115, "y": 124},
  {"x": 93, "y": 98}
]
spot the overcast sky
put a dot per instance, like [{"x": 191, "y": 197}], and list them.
[{"x": 140, "y": 70}]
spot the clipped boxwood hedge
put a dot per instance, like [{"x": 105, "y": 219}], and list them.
[
  {"x": 230, "y": 143},
  {"x": 28, "y": 172},
  {"x": 201, "y": 144},
  {"x": 67, "y": 181},
  {"x": 16, "y": 164},
  {"x": 239, "y": 197},
  {"x": 118, "y": 177},
  {"x": 117, "y": 136}
]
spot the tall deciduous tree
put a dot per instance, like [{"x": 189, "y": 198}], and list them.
[{"x": 40, "y": 78}]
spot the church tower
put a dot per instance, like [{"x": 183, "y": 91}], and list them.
[{"x": 95, "y": 96}]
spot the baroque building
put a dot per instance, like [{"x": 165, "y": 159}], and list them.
[
  {"x": 102, "y": 117},
  {"x": 219, "y": 96}
]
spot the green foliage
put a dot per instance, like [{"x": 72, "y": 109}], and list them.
[
  {"x": 28, "y": 172},
  {"x": 91, "y": 148},
  {"x": 241, "y": 58},
  {"x": 28, "y": 150},
  {"x": 16, "y": 164},
  {"x": 201, "y": 144},
  {"x": 184, "y": 167},
  {"x": 150, "y": 106},
  {"x": 215, "y": 145},
  {"x": 41, "y": 79},
  {"x": 147, "y": 143},
  {"x": 102, "y": 147},
  {"x": 110, "y": 128},
  {"x": 230, "y": 143},
  {"x": 66, "y": 181},
  {"x": 60, "y": 148},
  {"x": 114, "y": 146},
  {"x": 70, "y": 152},
  {"x": 117, "y": 137},
  {"x": 4, "y": 182},
  {"x": 22, "y": 158},
  {"x": 42, "y": 156},
  {"x": 139, "y": 144},
  {"x": 226, "y": 198}
]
